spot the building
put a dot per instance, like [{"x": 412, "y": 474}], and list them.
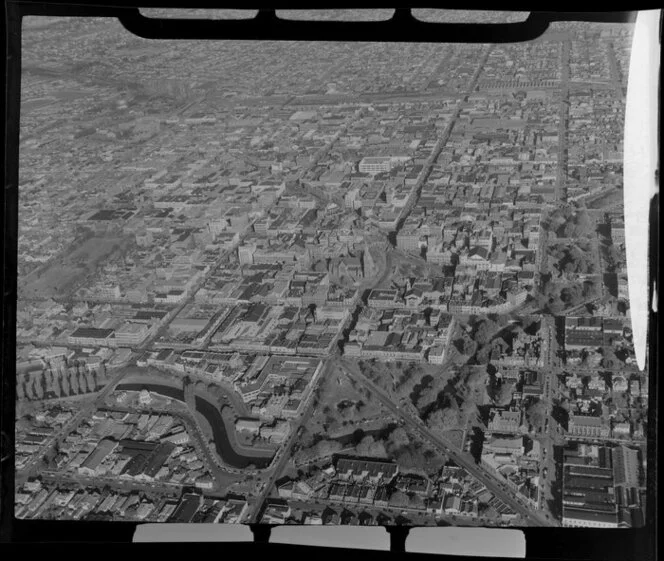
[
  {"x": 178, "y": 438},
  {"x": 622, "y": 430},
  {"x": 502, "y": 421},
  {"x": 131, "y": 334},
  {"x": 409, "y": 240},
  {"x": 589, "y": 497},
  {"x": 588, "y": 426},
  {"x": 144, "y": 397},
  {"x": 583, "y": 332},
  {"x": 108, "y": 292},
  {"x": 375, "y": 165},
  {"x": 187, "y": 508},
  {"x": 585, "y": 518},
  {"x": 278, "y": 432},
  {"x": 245, "y": 254},
  {"x": 375, "y": 471},
  {"x": 384, "y": 298},
  {"x": 205, "y": 482},
  {"x": 504, "y": 445},
  {"x": 436, "y": 354},
  {"x": 93, "y": 337},
  {"x": 618, "y": 231},
  {"x": 91, "y": 464},
  {"x": 626, "y": 466},
  {"x": 248, "y": 425}
]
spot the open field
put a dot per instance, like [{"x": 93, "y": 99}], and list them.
[
  {"x": 63, "y": 277},
  {"x": 342, "y": 404}
]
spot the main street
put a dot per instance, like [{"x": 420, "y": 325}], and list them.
[
  {"x": 442, "y": 141},
  {"x": 417, "y": 516},
  {"x": 112, "y": 481},
  {"x": 284, "y": 454},
  {"x": 428, "y": 168},
  {"x": 493, "y": 484},
  {"x": 561, "y": 179}
]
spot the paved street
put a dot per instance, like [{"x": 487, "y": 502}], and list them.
[
  {"x": 284, "y": 453},
  {"x": 497, "y": 487},
  {"x": 563, "y": 135}
]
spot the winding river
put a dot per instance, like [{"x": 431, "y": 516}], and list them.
[{"x": 213, "y": 415}]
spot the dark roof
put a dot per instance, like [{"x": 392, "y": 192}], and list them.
[
  {"x": 186, "y": 510},
  {"x": 592, "y": 515},
  {"x": 92, "y": 333},
  {"x": 132, "y": 447}
]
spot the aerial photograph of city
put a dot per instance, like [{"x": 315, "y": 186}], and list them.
[{"x": 333, "y": 283}]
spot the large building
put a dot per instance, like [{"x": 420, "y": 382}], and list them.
[
  {"x": 92, "y": 463},
  {"x": 583, "y": 518},
  {"x": 505, "y": 422},
  {"x": 583, "y": 332},
  {"x": 588, "y": 426},
  {"x": 626, "y": 466},
  {"x": 409, "y": 240},
  {"x": 358, "y": 469},
  {"x": 374, "y": 165},
  {"x": 131, "y": 333},
  {"x": 384, "y": 298},
  {"x": 589, "y": 499},
  {"x": 92, "y": 336}
]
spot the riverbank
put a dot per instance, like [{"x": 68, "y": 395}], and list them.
[{"x": 206, "y": 407}]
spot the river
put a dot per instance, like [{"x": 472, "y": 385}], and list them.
[{"x": 213, "y": 415}]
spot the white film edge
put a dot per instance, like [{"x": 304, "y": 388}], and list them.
[{"x": 640, "y": 167}]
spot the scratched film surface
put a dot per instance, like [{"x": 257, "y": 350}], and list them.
[{"x": 325, "y": 283}]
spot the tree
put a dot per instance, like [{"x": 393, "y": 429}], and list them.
[
  {"x": 535, "y": 414},
  {"x": 368, "y": 446},
  {"x": 482, "y": 333},
  {"x": 327, "y": 447},
  {"x": 502, "y": 393},
  {"x": 82, "y": 383},
  {"x": 474, "y": 378},
  {"x": 464, "y": 345},
  {"x": 398, "y": 439},
  {"x": 450, "y": 417},
  {"x": 399, "y": 499},
  {"x": 435, "y": 420},
  {"x": 484, "y": 355}
]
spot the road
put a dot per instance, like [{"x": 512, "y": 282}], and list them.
[
  {"x": 442, "y": 141},
  {"x": 493, "y": 484},
  {"x": 550, "y": 390},
  {"x": 561, "y": 176},
  {"x": 581, "y": 307},
  {"x": 387, "y": 270},
  {"x": 616, "y": 74},
  {"x": 420, "y": 516},
  {"x": 284, "y": 454},
  {"x": 112, "y": 481}
]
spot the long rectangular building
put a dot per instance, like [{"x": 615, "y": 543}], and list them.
[{"x": 360, "y": 469}]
